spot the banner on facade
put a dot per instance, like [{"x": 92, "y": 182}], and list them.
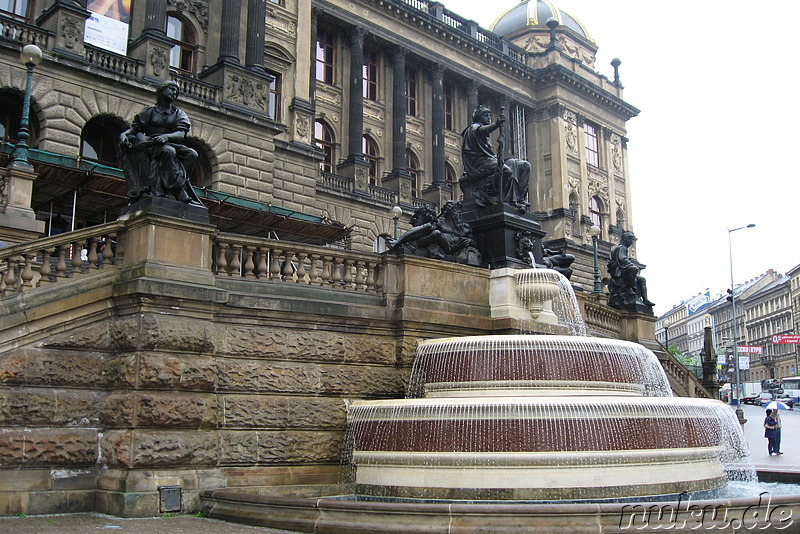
[
  {"x": 107, "y": 26},
  {"x": 699, "y": 303},
  {"x": 782, "y": 340},
  {"x": 749, "y": 349}
]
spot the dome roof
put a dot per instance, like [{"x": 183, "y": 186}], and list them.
[{"x": 535, "y": 13}]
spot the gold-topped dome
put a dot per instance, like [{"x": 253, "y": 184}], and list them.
[{"x": 535, "y": 13}]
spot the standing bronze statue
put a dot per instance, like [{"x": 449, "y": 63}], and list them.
[
  {"x": 489, "y": 178},
  {"x": 627, "y": 287},
  {"x": 155, "y": 159}
]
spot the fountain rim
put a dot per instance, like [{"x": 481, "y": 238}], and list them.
[{"x": 537, "y": 337}]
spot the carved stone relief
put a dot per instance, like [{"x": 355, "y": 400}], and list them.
[
  {"x": 72, "y": 31},
  {"x": 302, "y": 128},
  {"x": 282, "y": 24},
  {"x": 616, "y": 152},
  {"x": 245, "y": 91},
  {"x": 158, "y": 60},
  {"x": 571, "y": 130},
  {"x": 328, "y": 96},
  {"x": 598, "y": 189}
]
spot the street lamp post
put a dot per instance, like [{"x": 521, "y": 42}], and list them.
[
  {"x": 735, "y": 395},
  {"x": 666, "y": 324},
  {"x": 395, "y": 212},
  {"x": 30, "y": 55},
  {"x": 595, "y": 231}
]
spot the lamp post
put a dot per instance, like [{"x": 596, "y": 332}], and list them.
[
  {"x": 735, "y": 396},
  {"x": 666, "y": 324},
  {"x": 395, "y": 212},
  {"x": 595, "y": 231},
  {"x": 30, "y": 55}
]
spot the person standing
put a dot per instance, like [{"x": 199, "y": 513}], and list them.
[
  {"x": 771, "y": 432},
  {"x": 776, "y": 416}
]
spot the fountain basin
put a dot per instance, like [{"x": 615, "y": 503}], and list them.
[{"x": 538, "y": 448}]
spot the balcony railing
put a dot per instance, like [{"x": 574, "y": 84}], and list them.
[
  {"x": 271, "y": 261},
  {"x": 112, "y": 62},
  {"x": 58, "y": 258},
  {"x": 23, "y": 33}
]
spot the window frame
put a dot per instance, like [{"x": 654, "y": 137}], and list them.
[
  {"x": 596, "y": 211},
  {"x": 275, "y": 94},
  {"x": 186, "y": 46},
  {"x": 18, "y": 5},
  {"x": 325, "y": 70},
  {"x": 449, "y": 107},
  {"x": 591, "y": 139},
  {"x": 328, "y": 146},
  {"x": 413, "y": 169},
  {"x": 370, "y": 71},
  {"x": 412, "y": 92},
  {"x": 369, "y": 150}
]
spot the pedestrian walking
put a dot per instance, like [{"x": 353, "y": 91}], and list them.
[{"x": 771, "y": 433}]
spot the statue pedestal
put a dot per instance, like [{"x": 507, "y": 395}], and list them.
[
  {"x": 494, "y": 229},
  {"x": 167, "y": 207}
]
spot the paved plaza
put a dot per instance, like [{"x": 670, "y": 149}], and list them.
[{"x": 88, "y": 523}]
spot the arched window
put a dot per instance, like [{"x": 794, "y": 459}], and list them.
[
  {"x": 100, "y": 140},
  {"x": 11, "y": 114},
  {"x": 596, "y": 211},
  {"x": 201, "y": 174},
  {"x": 182, "y": 54},
  {"x": 323, "y": 138},
  {"x": 370, "y": 151},
  {"x": 412, "y": 166},
  {"x": 452, "y": 181}
]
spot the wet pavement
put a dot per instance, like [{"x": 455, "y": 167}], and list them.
[{"x": 99, "y": 523}]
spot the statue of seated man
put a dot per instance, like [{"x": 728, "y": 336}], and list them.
[
  {"x": 155, "y": 160},
  {"x": 627, "y": 286},
  {"x": 488, "y": 181}
]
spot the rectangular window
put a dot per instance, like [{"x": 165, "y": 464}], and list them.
[
  {"x": 592, "y": 151},
  {"x": 412, "y": 106},
  {"x": 449, "y": 122},
  {"x": 325, "y": 57},
  {"x": 16, "y": 9},
  {"x": 274, "y": 108},
  {"x": 370, "y": 72}
]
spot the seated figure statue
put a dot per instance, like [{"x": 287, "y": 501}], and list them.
[
  {"x": 627, "y": 287},
  {"x": 485, "y": 180},
  {"x": 154, "y": 159}
]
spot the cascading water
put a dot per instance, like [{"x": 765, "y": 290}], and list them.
[{"x": 543, "y": 418}]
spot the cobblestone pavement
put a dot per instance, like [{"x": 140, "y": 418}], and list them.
[{"x": 91, "y": 523}]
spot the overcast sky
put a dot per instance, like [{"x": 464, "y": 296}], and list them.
[{"x": 715, "y": 143}]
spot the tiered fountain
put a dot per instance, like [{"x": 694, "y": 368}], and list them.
[
  {"x": 542, "y": 418},
  {"x": 556, "y": 433}
]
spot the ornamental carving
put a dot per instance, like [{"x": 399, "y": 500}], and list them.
[
  {"x": 405, "y": 192},
  {"x": 598, "y": 189},
  {"x": 361, "y": 179},
  {"x": 196, "y": 8},
  {"x": 574, "y": 185},
  {"x": 616, "y": 152},
  {"x": 302, "y": 127},
  {"x": 245, "y": 91},
  {"x": 72, "y": 31},
  {"x": 3, "y": 199},
  {"x": 328, "y": 96},
  {"x": 281, "y": 24},
  {"x": 571, "y": 130},
  {"x": 158, "y": 60},
  {"x": 536, "y": 44}
]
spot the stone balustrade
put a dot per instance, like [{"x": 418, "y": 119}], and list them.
[
  {"x": 296, "y": 263},
  {"x": 57, "y": 258},
  {"x": 110, "y": 61},
  {"x": 23, "y": 33}
]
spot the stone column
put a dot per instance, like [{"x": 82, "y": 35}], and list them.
[
  {"x": 356, "y": 111},
  {"x": 254, "y": 45},
  {"x": 472, "y": 99},
  {"x": 437, "y": 123},
  {"x": 356, "y": 166},
  {"x": 399, "y": 180},
  {"x": 229, "y": 35},
  {"x": 153, "y": 45},
  {"x": 399, "y": 109}
]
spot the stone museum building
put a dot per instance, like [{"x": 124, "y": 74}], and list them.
[{"x": 149, "y": 357}]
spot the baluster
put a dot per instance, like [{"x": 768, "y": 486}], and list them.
[
  {"x": 360, "y": 276},
  {"x": 248, "y": 263},
  {"x": 222, "y": 262},
  {"x": 326, "y": 279},
  {"x": 301, "y": 267},
  {"x": 106, "y": 252},
  {"x": 336, "y": 273},
  {"x": 77, "y": 262},
  {"x": 263, "y": 271},
  {"x": 275, "y": 265},
  {"x": 45, "y": 269},
  {"x": 91, "y": 256},
  {"x": 287, "y": 272},
  {"x": 378, "y": 274},
  {"x": 10, "y": 279},
  {"x": 347, "y": 274},
  {"x": 27, "y": 272},
  {"x": 313, "y": 274},
  {"x": 236, "y": 262},
  {"x": 61, "y": 264}
]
